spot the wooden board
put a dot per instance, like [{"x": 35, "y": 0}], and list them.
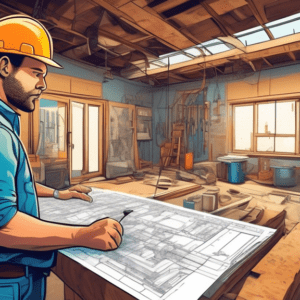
[
  {"x": 277, "y": 270},
  {"x": 137, "y": 188}
]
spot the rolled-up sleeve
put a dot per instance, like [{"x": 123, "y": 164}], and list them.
[{"x": 8, "y": 169}]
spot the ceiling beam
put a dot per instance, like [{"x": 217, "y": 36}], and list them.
[
  {"x": 150, "y": 34},
  {"x": 63, "y": 8},
  {"x": 258, "y": 11},
  {"x": 155, "y": 25},
  {"x": 66, "y": 25},
  {"x": 176, "y": 76},
  {"x": 254, "y": 52},
  {"x": 249, "y": 62},
  {"x": 125, "y": 42},
  {"x": 291, "y": 55},
  {"x": 267, "y": 62},
  {"x": 224, "y": 27}
]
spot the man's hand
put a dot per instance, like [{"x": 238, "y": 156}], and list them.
[
  {"x": 105, "y": 234},
  {"x": 76, "y": 191}
]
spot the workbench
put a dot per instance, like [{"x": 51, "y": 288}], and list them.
[{"x": 167, "y": 251}]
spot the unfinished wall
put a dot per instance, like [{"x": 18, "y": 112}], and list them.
[{"x": 165, "y": 96}]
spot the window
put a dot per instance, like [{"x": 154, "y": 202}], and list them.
[
  {"x": 266, "y": 127},
  {"x": 52, "y": 129}
]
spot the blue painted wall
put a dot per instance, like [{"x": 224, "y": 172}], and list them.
[{"x": 125, "y": 91}]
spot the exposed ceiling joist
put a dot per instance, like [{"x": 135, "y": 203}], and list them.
[
  {"x": 254, "y": 52},
  {"x": 249, "y": 62},
  {"x": 291, "y": 55},
  {"x": 150, "y": 34},
  {"x": 258, "y": 11},
  {"x": 224, "y": 27},
  {"x": 64, "y": 8},
  {"x": 156, "y": 26},
  {"x": 267, "y": 62}
]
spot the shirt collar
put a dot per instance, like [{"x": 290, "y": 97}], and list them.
[{"x": 10, "y": 116}]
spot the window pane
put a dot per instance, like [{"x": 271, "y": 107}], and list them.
[
  {"x": 266, "y": 118},
  {"x": 176, "y": 59},
  {"x": 49, "y": 129},
  {"x": 61, "y": 128},
  {"x": 285, "y": 29},
  {"x": 254, "y": 38},
  {"x": 93, "y": 139},
  {"x": 285, "y": 117},
  {"x": 77, "y": 139},
  {"x": 243, "y": 127},
  {"x": 285, "y": 144},
  {"x": 265, "y": 144}
]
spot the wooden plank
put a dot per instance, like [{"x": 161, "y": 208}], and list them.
[
  {"x": 222, "y": 7},
  {"x": 156, "y": 26},
  {"x": 225, "y": 28},
  {"x": 281, "y": 264},
  {"x": 178, "y": 192}
]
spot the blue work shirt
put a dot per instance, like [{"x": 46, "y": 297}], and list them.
[{"x": 17, "y": 189}]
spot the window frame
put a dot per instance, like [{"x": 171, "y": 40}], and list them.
[{"x": 253, "y": 149}]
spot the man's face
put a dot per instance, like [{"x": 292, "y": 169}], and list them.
[{"x": 25, "y": 84}]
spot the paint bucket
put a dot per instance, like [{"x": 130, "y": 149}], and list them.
[
  {"x": 284, "y": 176},
  {"x": 235, "y": 172},
  {"x": 189, "y": 161}
]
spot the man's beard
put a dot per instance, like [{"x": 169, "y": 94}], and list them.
[{"x": 16, "y": 95}]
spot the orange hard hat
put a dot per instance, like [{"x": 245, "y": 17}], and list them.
[{"x": 24, "y": 35}]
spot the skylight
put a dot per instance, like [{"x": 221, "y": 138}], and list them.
[
  {"x": 285, "y": 29},
  {"x": 248, "y": 31},
  {"x": 215, "y": 46},
  {"x": 252, "y": 36},
  {"x": 176, "y": 59},
  {"x": 284, "y": 20},
  {"x": 196, "y": 52}
]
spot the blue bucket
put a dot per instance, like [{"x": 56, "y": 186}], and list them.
[
  {"x": 284, "y": 176},
  {"x": 235, "y": 172}
]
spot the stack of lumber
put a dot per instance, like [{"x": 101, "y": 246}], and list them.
[{"x": 278, "y": 272}]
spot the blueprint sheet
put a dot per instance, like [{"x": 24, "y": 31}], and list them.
[{"x": 168, "y": 252}]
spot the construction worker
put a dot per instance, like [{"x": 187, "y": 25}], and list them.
[{"x": 28, "y": 244}]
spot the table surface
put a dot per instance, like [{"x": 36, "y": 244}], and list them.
[{"x": 166, "y": 250}]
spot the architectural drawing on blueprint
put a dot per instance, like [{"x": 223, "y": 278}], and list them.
[{"x": 167, "y": 251}]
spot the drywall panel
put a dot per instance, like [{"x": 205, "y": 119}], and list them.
[
  {"x": 241, "y": 90},
  {"x": 285, "y": 85}
]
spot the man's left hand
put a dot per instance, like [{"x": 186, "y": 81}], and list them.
[{"x": 76, "y": 191}]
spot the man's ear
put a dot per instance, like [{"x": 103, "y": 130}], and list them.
[{"x": 5, "y": 66}]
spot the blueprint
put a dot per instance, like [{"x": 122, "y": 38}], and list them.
[{"x": 167, "y": 252}]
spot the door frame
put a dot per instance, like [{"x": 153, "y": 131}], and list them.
[
  {"x": 101, "y": 105},
  {"x": 135, "y": 145}
]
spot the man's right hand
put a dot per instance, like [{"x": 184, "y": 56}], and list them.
[{"x": 105, "y": 234}]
